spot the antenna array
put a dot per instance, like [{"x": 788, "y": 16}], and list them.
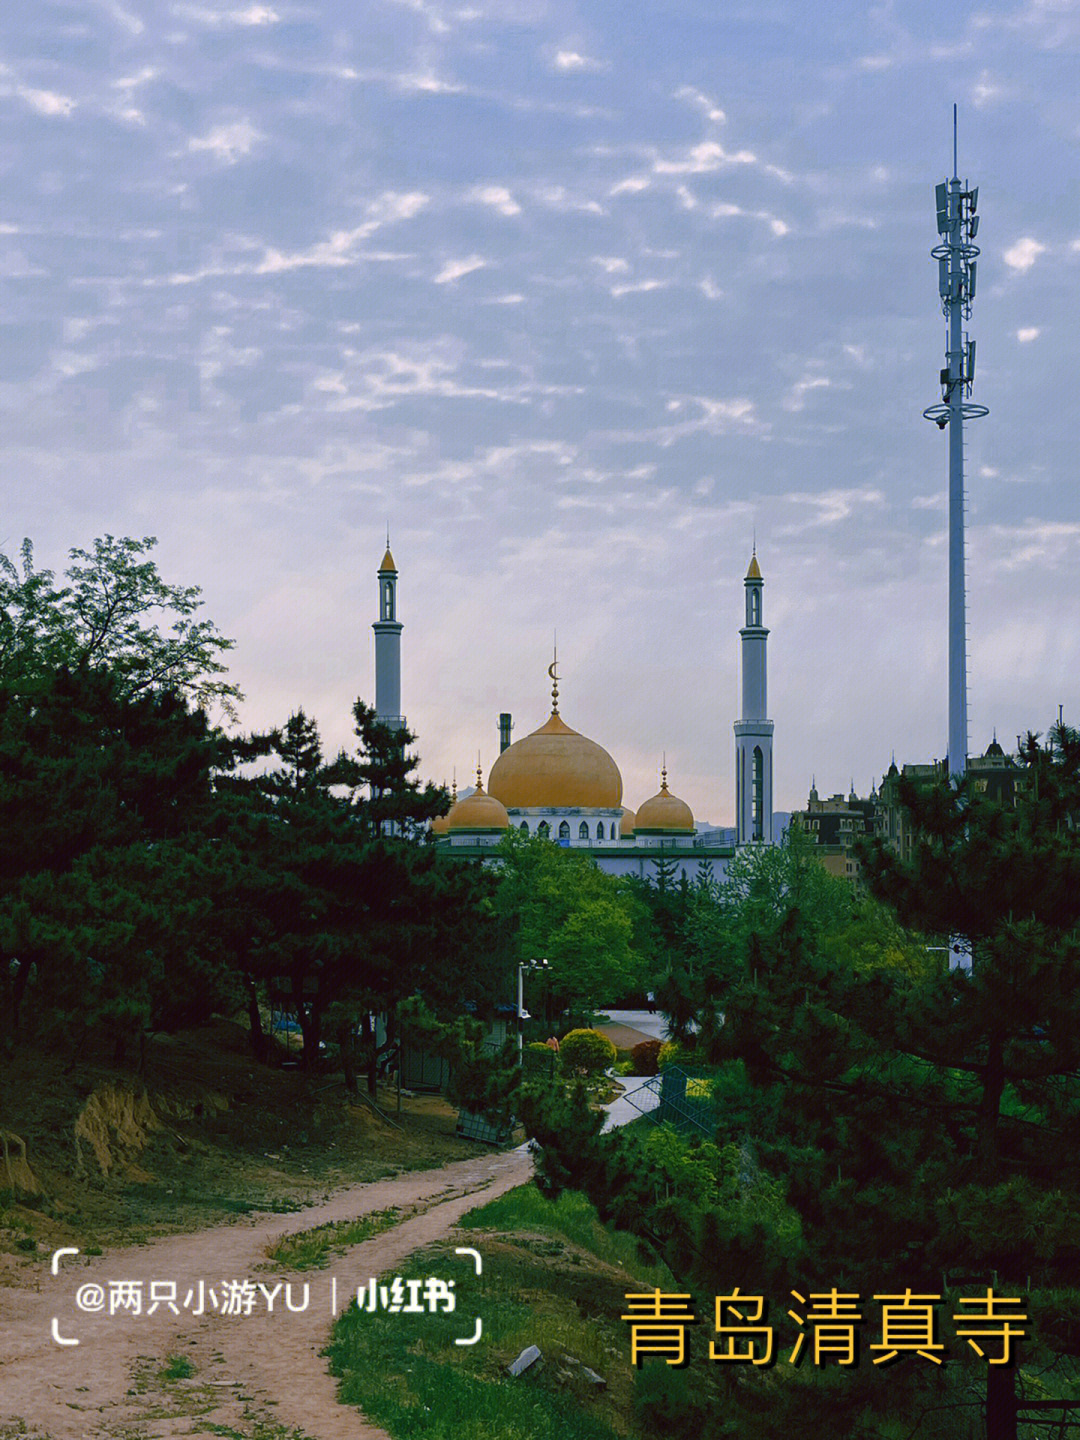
[{"x": 957, "y": 256}]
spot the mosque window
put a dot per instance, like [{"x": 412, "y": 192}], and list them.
[
  {"x": 564, "y": 830},
  {"x": 755, "y": 605},
  {"x": 756, "y": 797},
  {"x": 600, "y": 831},
  {"x": 543, "y": 829},
  {"x": 583, "y": 831},
  {"x": 388, "y": 600},
  {"x": 524, "y": 827}
]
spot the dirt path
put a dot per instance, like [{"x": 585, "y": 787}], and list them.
[{"x": 257, "y": 1376}]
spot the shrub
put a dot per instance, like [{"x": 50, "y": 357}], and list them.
[
  {"x": 587, "y": 1051},
  {"x": 670, "y": 1402},
  {"x": 646, "y": 1057},
  {"x": 671, "y": 1053}
]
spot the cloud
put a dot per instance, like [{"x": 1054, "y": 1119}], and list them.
[
  {"x": 612, "y": 264},
  {"x": 455, "y": 269},
  {"x": 558, "y": 197},
  {"x": 228, "y": 143},
  {"x": 796, "y": 397},
  {"x": 342, "y": 247},
  {"x": 639, "y": 288},
  {"x": 131, "y": 82},
  {"x": 701, "y": 102},
  {"x": 567, "y": 60},
  {"x": 831, "y": 506},
  {"x": 634, "y": 184},
  {"x": 702, "y": 159},
  {"x": 498, "y": 197},
  {"x": 250, "y": 15},
  {"x": 1023, "y": 254},
  {"x": 986, "y": 90},
  {"x": 1027, "y": 333},
  {"x": 46, "y": 102}
]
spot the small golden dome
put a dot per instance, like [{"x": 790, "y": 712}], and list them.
[
  {"x": 478, "y": 812},
  {"x": 441, "y": 824},
  {"x": 664, "y": 812},
  {"x": 387, "y": 563},
  {"x": 626, "y": 824},
  {"x": 754, "y": 573},
  {"x": 556, "y": 767}
]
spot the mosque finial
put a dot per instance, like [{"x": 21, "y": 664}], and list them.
[
  {"x": 553, "y": 671},
  {"x": 479, "y": 777},
  {"x": 663, "y": 772},
  {"x": 453, "y": 787}
]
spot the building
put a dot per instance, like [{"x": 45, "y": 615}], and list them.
[
  {"x": 834, "y": 825},
  {"x": 563, "y": 786}
]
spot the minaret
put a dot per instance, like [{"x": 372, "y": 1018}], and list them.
[
  {"x": 388, "y": 647},
  {"x": 753, "y": 732}
]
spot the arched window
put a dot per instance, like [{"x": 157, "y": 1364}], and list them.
[
  {"x": 543, "y": 829},
  {"x": 757, "y": 798},
  {"x": 583, "y": 831},
  {"x": 524, "y": 827},
  {"x": 564, "y": 830},
  {"x": 600, "y": 831},
  {"x": 755, "y": 606}
]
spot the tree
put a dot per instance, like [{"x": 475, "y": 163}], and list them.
[
  {"x": 106, "y": 806},
  {"x": 360, "y": 916},
  {"x": 909, "y": 1123},
  {"x": 566, "y": 910},
  {"x": 110, "y": 615}
]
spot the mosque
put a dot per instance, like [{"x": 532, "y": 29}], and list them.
[{"x": 558, "y": 784}]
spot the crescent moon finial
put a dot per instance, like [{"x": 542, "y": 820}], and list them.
[{"x": 553, "y": 671}]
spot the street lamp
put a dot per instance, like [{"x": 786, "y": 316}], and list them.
[{"x": 522, "y": 1014}]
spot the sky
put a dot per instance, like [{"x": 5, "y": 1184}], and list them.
[{"x": 580, "y": 301}]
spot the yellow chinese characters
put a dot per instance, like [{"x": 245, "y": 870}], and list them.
[{"x": 658, "y": 1324}]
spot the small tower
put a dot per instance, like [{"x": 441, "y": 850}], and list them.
[
  {"x": 388, "y": 647},
  {"x": 753, "y": 732}
]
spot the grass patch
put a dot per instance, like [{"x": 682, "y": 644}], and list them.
[
  {"x": 312, "y": 1249},
  {"x": 176, "y": 1367},
  {"x": 554, "y": 1277},
  {"x": 572, "y": 1218}
]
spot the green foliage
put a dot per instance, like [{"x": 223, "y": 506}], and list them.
[
  {"x": 556, "y": 903},
  {"x": 671, "y": 1053},
  {"x": 313, "y": 1249},
  {"x": 177, "y": 1367},
  {"x": 671, "y": 1402},
  {"x": 109, "y": 616},
  {"x": 586, "y": 1052}
]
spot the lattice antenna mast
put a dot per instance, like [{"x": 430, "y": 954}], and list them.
[{"x": 956, "y": 254}]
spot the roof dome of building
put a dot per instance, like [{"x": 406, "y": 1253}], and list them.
[
  {"x": 556, "y": 767},
  {"x": 626, "y": 824},
  {"x": 664, "y": 812},
  {"x": 441, "y": 824},
  {"x": 478, "y": 811}
]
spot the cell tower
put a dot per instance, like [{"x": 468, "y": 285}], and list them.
[{"x": 956, "y": 254}]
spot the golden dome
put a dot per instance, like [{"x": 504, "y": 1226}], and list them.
[
  {"x": 626, "y": 824},
  {"x": 664, "y": 812},
  {"x": 478, "y": 812},
  {"x": 387, "y": 563},
  {"x": 556, "y": 767},
  {"x": 441, "y": 824}
]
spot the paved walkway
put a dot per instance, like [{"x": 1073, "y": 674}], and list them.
[
  {"x": 651, "y": 1027},
  {"x": 623, "y": 1109}
]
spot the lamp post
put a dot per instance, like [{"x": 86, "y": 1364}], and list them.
[{"x": 528, "y": 965}]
